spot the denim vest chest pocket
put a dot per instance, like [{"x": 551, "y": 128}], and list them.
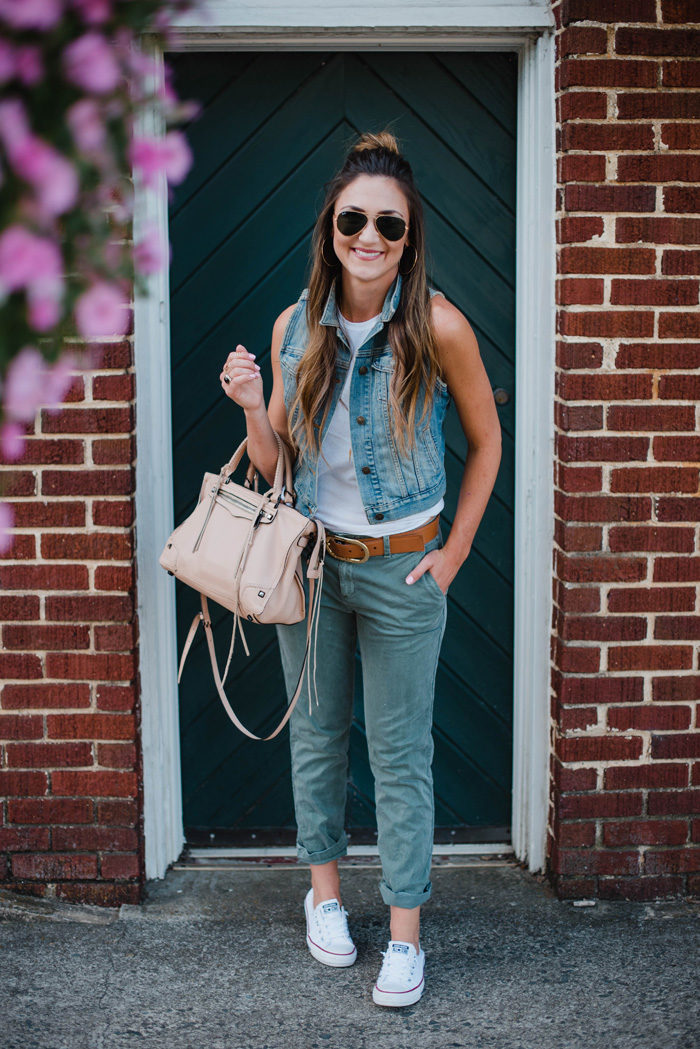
[{"x": 419, "y": 469}]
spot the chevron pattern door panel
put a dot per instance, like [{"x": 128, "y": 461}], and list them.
[{"x": 273, "y": 129}]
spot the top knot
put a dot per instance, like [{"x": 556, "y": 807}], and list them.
[{"x": 382, "y": 140}]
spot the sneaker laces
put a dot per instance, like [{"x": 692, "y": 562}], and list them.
[
  {"x": 334, "y": 920},
  {"x": 397, "y": 964}
]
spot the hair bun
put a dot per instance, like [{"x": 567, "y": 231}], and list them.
[{"x": 382, "y": 140}]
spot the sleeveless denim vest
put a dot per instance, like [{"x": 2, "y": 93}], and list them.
[{"x": 391, "y": 485}]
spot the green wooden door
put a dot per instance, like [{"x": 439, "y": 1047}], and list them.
[{"x": 273, "y": 129}]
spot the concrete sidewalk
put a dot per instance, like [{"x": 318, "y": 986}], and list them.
[{"x": 217, "y": 959}]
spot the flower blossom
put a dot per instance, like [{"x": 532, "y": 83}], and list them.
[
  {"x": 89, "y": 62},
  {"x": 31, "y": 14},
  {"x": 102, "y": 310}
]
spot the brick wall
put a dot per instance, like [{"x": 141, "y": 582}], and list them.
[
  {"x": 625, "y": 766},
  {"x": 69, "y": 757}
]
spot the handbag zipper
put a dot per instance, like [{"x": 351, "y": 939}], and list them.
[{"x": 244, "y": 504}]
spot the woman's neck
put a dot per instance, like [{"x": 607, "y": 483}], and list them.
[{"x": 359, "y": 300}]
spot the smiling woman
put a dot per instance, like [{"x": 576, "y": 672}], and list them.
[{"x": 364, "y": 366}]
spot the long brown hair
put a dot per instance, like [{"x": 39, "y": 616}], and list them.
[{"x": 410, "y": 332}]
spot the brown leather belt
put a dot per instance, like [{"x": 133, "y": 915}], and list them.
[{"x": 361, "y": 548}]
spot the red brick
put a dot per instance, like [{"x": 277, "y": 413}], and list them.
[
  {"x": 103, "y": 546},
  {"x": 579, "y": 167},
  {"x": 50, "y": 810},
  {"x": 93, "y": 784},
  {"x": 87, "y": 482},
  {"x": 654, "y": 479},
  {"x": 673, "y": 802},
  {"x": 645, "y": 832},
  {"x": 568, "y": 779},
  {"x": 578, "y": 538},
  {"x": 597, "y": 199},
  {"x": 609, "y": 137},
  {"x": 602, "y": 508},
  {"x": 119, "y": 866},
  {"x": 60, "y": 514},
  {"x": 639, "y": 888},
  {"x": 676, "y": 689},
  {"x": 22, "y": 784},
  {"x": 602, "y": 449},
  {"x": 50, "y": 866},
  {"x": 654, "y": 292},
  {"x": 619, "y": 387},
  {"x": 660, "y": 167},
  {"x": 672, "y": 861},
  {"x": 20, "y": 667},
  {"x": 39, "y": 451},
  {"x": 582, "y": 105},
  {"x": 576, "y": 834},
  {"x": 579, "y": 479},
  {"x": 23, "y": 839},
  {"x": 632, "y": 418},
  {"x": 116, "y": 697},
  {"x": 649, "y": 716},
  {"x": 25, "y": 607},
  {"x": 672, "y": 508},
  {"x": 677, "y": 449},
  {"x": 599, "y": 748},
  {"x": 652, "y": 599},
  {"x": 48, "y": 755},
  {"x": 600, "y": 569},
  {"x": 677, "y": 569},
  {"x": 117, "y": 755},
  {"x": 21, "y": 726},
  {"x": 113, "y": 577},
  {"x": 682, "y": 136},
  {"x": 119, "y": 451},
  {"x": 655, "y": 230},
  {"x": 115, "y": 638},
  {"x": 599, "y": 805},
  {"x": 678, "y": 11},
  {"x": 579, "y": 228},
  {"x": 95, "y": 839},
  {"x": 44, "y": 636},
  {"x": 680, "y": 387},
  {"x": 113, "y": 388},
  {"x": 90, "y": 726},
  {"x": 582, "y": 40},
  {"x": 606, "y": 324},
  {"x": 678, "y": 73},
  {"x": 113, "y": 513},
  {"x": 603, "y": 628},
  {"x": 680, "y": 263},
  {"x": 43, "y": 577},
  {"x": 578, "y": 417},
  {"x": 640, "y": 537},
  {"x": 577, "y": 599},
  {"x": 629, "y": 41},
  {"x": 88, "y": 667},
  {"x": 120, "y": 813},
  {"x": 683, "y": 199},
  {"x": 22, "y": 549},
  {"x": 674, "y": 105},
  {"x": 647, "y": 776},
  {"x": 46, "y": 695},
  {"x": 17, "y": 482},
  {"x": 607, "y": 72},
  {"x": 650, "y": 657},
  {"x": 608, "y": 11},
  {"x": 95, "y": 608},
  {"x": 677, "y": 745},
  {"x": 607, "y": 260},
  {"x": 574, "y": 660},
  {"x": 89, "y": 420},
  {"x": 677, "y": 628},
  {"x": 582, "y": 292}
]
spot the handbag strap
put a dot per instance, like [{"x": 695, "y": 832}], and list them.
[{"x": 314, "y": 573}]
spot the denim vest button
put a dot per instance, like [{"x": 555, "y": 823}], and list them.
[
  {"x": 379, "y": 516},
  {"x": 361, "y": 419},
  {"x": 362, "y": 369},
  {"x": 366, "y": 470}
]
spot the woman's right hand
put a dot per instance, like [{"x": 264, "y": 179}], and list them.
[{"x": 245, "y": 386}]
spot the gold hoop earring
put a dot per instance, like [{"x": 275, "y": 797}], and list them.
[
  {"x": 323, "y": 256},
  {"x": 405, "y": 273}
]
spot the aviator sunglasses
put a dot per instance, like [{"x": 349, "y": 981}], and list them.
[{"x": 391, "y": 227}]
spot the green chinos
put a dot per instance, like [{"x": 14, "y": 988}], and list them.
[{"x": 400, "y": 628}]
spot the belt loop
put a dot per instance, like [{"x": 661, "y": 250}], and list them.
[{"x": 387, "y": 544}]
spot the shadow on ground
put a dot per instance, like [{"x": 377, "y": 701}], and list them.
[{"x": 217, "y": 959}]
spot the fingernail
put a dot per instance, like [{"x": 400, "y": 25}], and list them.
[
  {"x": 251, "y": 355},
  {"x": 409, "y": 579}
]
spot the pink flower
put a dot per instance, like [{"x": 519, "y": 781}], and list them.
[
  {"x": 31, "y": 14},
  {"x": 7, "y": 61},
  {"x": 102, "y": 310},
  {"x": 148, "y": 253},
  {"x": 146, "y": 157},
  {"x": 27, "y": 259},
  {"x": 44, "y": 304},
  {"x": 14, "y": 126},
  {"x": 177, "y": 157},
  {"x": 12, "y": 441},
  {"x": 89, "y": 62},
  {"x": 171, "y": 155},
  {"x": 86, "y": 125},
  {"x": 54, "y": 178},
  {"x": 59, "y": 381},
  {"x": 23, "y": 385},
  {"x": 30, "y": 68},
  {"x": 7, "y": 520},
  {"x": 93, "y": 12}
]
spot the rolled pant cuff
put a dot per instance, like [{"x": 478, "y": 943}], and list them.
[
  {"x": 405, "y": 899},
  {"x": 333, "y": 852}
]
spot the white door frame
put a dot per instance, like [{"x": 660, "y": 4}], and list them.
[{"x": 523, "y": 26}]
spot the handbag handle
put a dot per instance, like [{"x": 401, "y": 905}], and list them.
[{"x": 284, "y": 466}]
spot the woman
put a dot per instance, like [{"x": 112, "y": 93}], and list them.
[{"x": 352, "y": 362}]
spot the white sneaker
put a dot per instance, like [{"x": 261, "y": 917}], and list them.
[
  {"x": 327, "y": 934},
  {"x": 401, "y": 980}
]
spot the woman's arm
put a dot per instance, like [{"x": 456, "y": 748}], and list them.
[
  {"x": 246, "y": 390},
  {"x": 470, "y": 387}
]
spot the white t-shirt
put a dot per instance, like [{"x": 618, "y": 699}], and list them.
[{"x": 340, "y": 505}]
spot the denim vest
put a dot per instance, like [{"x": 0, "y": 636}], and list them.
[{"x": 391, "y": 485}]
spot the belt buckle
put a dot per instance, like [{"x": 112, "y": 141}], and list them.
[{"x": 349, "y": 539}]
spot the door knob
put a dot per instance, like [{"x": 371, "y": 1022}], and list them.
[{"x": 500, "y": 395}]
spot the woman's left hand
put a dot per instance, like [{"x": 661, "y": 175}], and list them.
[{"x": 441, "y": 566}]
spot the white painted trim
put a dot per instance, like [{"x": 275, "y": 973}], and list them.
[
  {"x": 250, "y": 852},
  {"x": 534, "y": 443},
  {"x": 534, "y": 447},
  {"x": 160, "y": 730}
]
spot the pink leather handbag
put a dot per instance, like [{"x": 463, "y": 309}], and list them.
[{"x": 243, "y": 549}]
